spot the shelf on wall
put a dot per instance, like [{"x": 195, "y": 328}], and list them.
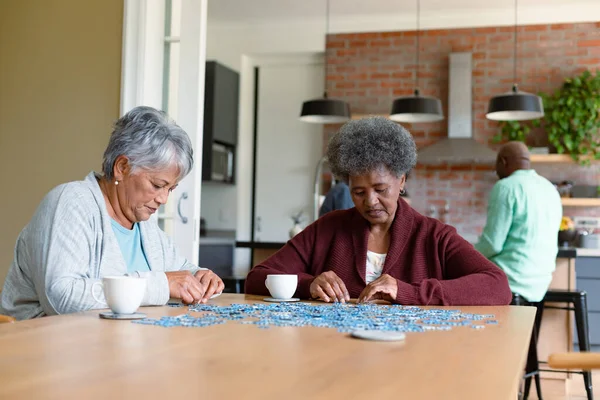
[
  {"x": 580, "y": 202},
  {"x": 553, "y": 158}
]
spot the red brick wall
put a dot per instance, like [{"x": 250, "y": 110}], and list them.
[{"x": 369, "y": 70}]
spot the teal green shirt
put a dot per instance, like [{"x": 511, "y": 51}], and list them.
[
  {"x": 130, "y": 242},
  {"x": 521, "y": 233}
]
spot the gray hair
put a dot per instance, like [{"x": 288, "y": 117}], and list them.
[
  {"x": 150, "y": 140},
  {"x": 368, "y": 144}
]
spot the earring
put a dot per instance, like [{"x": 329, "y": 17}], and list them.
[
  {"x": 402, "y": 192},
  {"x": 117, "y": 183}
]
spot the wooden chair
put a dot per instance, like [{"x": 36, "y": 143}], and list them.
[
  {"x": 7, "y": 319},
  {"x": 574, "y": 360}
]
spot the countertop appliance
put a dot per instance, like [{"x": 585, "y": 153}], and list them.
[{"x": 222, "y": 163}]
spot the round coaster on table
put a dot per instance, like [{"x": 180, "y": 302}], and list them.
[
  {"x": 273, "y": 300},
  {"x": 386, "y": 336},
  {"x": 112, "y": 315}
]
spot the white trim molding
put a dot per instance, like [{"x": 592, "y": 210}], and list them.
[{"x": 142, "y": 54}]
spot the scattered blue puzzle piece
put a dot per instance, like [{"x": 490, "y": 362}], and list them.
[{"x": 343, "y": 317}]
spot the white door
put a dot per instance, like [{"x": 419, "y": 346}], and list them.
[
  {"x": 180, "y": 93},
  {"x": 288, "y": 150}
]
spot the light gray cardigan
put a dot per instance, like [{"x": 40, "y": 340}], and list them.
[{"x": 68, "y": 245}]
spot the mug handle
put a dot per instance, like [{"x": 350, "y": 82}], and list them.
[
  {"x": 94, "y": 294},
  {"x": 267, "y": 284}
]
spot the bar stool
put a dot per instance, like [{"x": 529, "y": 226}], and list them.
[{"x": 578, "y": 300}]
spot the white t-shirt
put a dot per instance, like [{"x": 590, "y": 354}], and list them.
[{"x": 375, "y": 263}]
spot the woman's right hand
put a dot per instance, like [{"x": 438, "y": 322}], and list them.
[
  {"x": 185, "y": 286},
  {"x": 329, "y": 287}
]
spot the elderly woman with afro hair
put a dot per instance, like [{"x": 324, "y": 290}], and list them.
[{"x": 381, "y": 249}]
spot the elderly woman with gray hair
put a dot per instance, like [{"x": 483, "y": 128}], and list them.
[
  {"x": 101, "y": 226},
  {"x": 382, "y": 249}
]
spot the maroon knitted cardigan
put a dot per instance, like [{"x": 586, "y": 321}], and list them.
[{"x": 432, "y": 264}]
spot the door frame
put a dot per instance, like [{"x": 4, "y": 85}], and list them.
[
  {"x": 142, "y": 54},
  {"x": 142, "y": 80}
]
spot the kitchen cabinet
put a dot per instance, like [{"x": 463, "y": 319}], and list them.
[
  {"x": 216, "y": 251},
  {"x": 218, "y": 257},
  {"x": 221, "y": 98},
  {"x": 588, "y": 279}
]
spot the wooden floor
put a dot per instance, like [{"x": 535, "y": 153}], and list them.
[{"x": 577, "y": 391}]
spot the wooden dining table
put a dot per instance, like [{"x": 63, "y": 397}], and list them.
[{"x": 81, "y": 356}]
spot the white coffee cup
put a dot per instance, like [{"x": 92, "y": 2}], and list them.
[
  {"x": 282, "y": 286},
  {"x": 123, "y": 294}
]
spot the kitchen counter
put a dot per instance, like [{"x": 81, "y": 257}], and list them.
[
  {"x": 218, "y": 237},
  {"x": 574, "y": 252},
  {"x": 566, "y": 252},
  {"x": 563, "y": 252},
  {"x": 260, "y": 245}
]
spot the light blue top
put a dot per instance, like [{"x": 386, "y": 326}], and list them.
[
  {"x": 130, "y": 242},
  {"x": 521, "y": 233}
]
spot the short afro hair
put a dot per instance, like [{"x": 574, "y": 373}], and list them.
[{"x": 367, "y": 144}]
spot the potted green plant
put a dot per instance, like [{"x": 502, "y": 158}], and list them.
[
  {"x": 571, "y": 120},
  {"x": 572, "y": 117},
  {"x": 522, "y": 131},
  {"x": 512, "y": 131}
]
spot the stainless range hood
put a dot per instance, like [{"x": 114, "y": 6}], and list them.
[{"x": 459, "y": 147}]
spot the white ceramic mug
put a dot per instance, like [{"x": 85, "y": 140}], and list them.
[
  {"x": 282, "y": 286},
  {"x": 123, "y": 294}
]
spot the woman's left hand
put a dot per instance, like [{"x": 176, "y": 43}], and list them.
[
  {"x": 210, "y": 282},
  {"x": 383, "y": 288}
]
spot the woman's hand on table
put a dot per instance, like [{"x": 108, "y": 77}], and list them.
[
  {"x": 185, "y": 286},
  {"x": 329, "y": 287},
  {"x": 194, "y": 288},
  {"x": 211, "y": 283},
  {"x": 383, "y": 288}
]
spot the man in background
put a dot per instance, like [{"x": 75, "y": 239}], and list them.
[
  {"x": 338, "y": 198},
  {"x": 523, "y": 220}
]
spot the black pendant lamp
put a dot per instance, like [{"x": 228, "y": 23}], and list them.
[
  {"x": 416, "y": 108},
  {"x": 515, "y": 105},
  {"x": 325, "y": 110}
]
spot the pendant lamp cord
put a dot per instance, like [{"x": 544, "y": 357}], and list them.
[
  {"x": 515, "y": 50},
  {"x": 326, "y": 51},
  {"x": 418, "y": 47}
]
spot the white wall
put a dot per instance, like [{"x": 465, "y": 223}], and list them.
[
  {"x": 238, "y": 46},
  {"x": 60, "y": 73},
  {"x": 219, "y": 206}
]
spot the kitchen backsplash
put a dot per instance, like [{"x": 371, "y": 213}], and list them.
[
  {"x": 459, "y": 194},
  {"x": 465, "y": 188}
]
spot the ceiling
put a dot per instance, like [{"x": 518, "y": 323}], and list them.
[{"x": 263, "y": 11}]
